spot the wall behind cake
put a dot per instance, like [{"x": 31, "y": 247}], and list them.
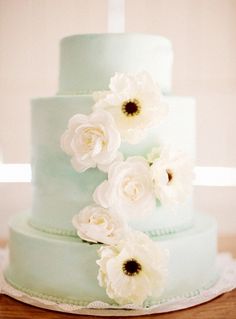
[{"x": 203, "y": 34}]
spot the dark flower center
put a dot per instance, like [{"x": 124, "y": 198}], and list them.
[
  {"x": 131, "y": 107},
  {"x": 131, "y": 267},
  {"x": 170, "y": 175}
]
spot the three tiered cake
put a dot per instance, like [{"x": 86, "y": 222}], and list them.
[{"x": 112, "y": 218}]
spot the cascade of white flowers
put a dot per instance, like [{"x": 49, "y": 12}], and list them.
[{"x": 124, "y": 113}]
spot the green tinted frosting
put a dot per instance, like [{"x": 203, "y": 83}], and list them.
[
  {"x": 64, "y": 269},
  {"x": 88, "y": 61}
]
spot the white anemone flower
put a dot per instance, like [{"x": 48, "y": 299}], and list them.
[
  {"x": 135, "y": 102},
  {"x": 91, "y": 140},
  {"x": 133, "y": 270},
  {"x": 172, "y": 174}
]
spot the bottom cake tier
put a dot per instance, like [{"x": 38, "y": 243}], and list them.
[{"x": 64, "y": 269}]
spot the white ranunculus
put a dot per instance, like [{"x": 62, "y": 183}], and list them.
[
  {"x": 133, "y": 270},
  {"x": 91, "y": 140},
  {"x": 99, "y": 225},
  {"x": 172, "y": 174},
  {"x": 129, "y": 188},
  {"x": 134, "y": 102}
]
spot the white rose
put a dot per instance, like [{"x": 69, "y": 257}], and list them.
[
  {"x": 129, "y": 188},
  {"x": 134, "y": 100},
  {"x": 91, "y": 140},
  {"x": 99, "y": 225},
  {"x": 133, "y": 270},
  {"x": 172, "y": 174}
]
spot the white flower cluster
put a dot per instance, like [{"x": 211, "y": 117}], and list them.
[
  {"x": 132, "y": 105},
  {"x": 132, "y": 267},
  {"x": 134, "y": 185}
]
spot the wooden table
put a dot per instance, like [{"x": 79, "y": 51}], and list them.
[{"x": 219, "y": 308}]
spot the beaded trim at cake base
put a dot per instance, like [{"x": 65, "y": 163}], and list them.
[
  {"x": 226, "y": 282},
  {"x": 153, "y": 233}
]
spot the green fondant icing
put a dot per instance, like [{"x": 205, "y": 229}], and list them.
[
  {"x": 54, "y": 231},
  {"x": 82, "y": 303},
  {"x": 66, "y": 267},
  {"x": 88, "y": 61}
]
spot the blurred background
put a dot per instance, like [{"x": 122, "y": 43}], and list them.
[{"x": 203, "y": 34}]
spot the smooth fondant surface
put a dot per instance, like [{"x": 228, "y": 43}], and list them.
[
  {"x": 88, "y": 61},
  {"x": 64, "y": 268},
  {"x": 60, "y": 192}
]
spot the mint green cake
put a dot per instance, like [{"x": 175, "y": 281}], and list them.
[{"x": 108, "y": 194}]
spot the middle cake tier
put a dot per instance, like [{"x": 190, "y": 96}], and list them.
[{"x": 59, "y": 192}]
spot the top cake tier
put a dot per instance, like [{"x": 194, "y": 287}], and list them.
[{"x": 88, "y": 61}]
